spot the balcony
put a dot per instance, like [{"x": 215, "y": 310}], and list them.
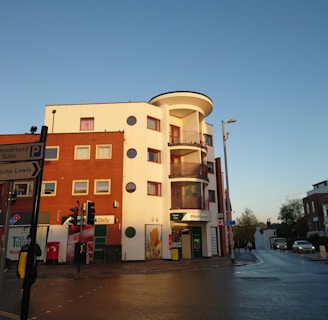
[
  {"x": 189, "y": 138},
  {"x": 189, "y": 169},
  {"x": 189, "y": 203}
]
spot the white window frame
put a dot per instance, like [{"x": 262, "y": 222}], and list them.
[
  {"x": 43, "y": 188},
  {"x": 80, "y": 147},
  {"x": 98, "y": 181},
  {"x": 80, "y": 181},
  {"x": 52, "y": 159},
  {"x": 99, "y": 147},
  {"x": 25, "y": 192}
]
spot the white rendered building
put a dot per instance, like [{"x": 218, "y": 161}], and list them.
[{"x": 169, "y": 191}]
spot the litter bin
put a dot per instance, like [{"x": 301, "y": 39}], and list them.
[
  {"x": 52, "y": 253},
  {"x": 175, "y": 254}
]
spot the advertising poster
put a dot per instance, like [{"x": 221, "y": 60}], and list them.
[
  {"x": 74, "y": 238},
  {"x": 153, "y": 242}
]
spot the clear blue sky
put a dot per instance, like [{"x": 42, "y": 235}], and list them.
[{"x": 264, "y": 63}]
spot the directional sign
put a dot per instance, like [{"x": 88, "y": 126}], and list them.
[
  {"x": 230, "y": 222},
  {"x": 19, "y": 170},
  {"x": 21, "y": 151}
]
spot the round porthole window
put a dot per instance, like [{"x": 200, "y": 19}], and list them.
[
  {"x": 131, "y": 187},
  {"x": 130, "y": 232},
  {"x": 132, "y": 120},
  {"x": 132, "y": 153}
]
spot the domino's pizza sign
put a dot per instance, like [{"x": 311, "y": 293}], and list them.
[{"x": 14, "y": 219}]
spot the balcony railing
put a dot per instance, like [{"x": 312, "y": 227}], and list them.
[
  {"x": 188, "y": 169},
  {"x": 189, "y": 203},
  {"x": 189, "y": 138}
]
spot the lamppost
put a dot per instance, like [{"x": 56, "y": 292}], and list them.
[{"x": 228, "y": 206}]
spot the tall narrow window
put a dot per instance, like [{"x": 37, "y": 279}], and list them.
[
  {"x": 87, "y": 124},
  {"x": 210, "y": 167},
  {"x": 209, "y": 140},
  {"x": 82, "y": 152},
  {"x": 174, "y": 134},
  {"x": 154, "y": 188},
  {"x": 153, "y": 123},
  {"x": 154, "y": 155},
  {"x": 211, "y": 195}
]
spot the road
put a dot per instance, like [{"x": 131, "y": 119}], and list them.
[{"x": 283, "y": 285}]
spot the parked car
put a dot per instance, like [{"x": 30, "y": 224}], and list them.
[{"x": 303, "y": 246}]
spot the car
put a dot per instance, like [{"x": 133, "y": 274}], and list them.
[{"x": 303, "y": 246}]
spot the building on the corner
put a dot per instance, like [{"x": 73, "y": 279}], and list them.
[
  {"x": 169, "y": 193},
  {"x": 316, "y": 209}
]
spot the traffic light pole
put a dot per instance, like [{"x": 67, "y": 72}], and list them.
[{"x": 80, "y": 239}]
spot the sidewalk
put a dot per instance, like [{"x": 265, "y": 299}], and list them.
[{"x": 141, "y": 267}]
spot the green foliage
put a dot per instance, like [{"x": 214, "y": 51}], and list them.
[
  {"x": 245, "y": 227},
  {"x": 293, "y": 223}
]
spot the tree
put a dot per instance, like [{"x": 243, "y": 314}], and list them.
[
  {"x": 245, "y": 227},
  {"x": 293, "y": 222}
]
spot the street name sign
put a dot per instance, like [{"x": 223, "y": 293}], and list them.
[
  {"x": 19, "y": 170},
  {"x": 21, "y": 152},
  {"x": 230, "y": 222}
]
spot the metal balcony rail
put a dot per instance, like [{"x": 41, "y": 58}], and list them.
[
  {"x": 189, "y": 138},
  {"x": 189, "y": 202},
  {"x": 189, "y": 169}
]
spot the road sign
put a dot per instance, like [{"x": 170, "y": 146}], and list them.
[
  {"x": 21, "y": 151},
  {"x": 230, "y": 222},
  {"x": 19, "y": 170}
]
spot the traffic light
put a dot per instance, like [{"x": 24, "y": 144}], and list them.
[
  {"x": 90, "y": 212},
  {"x": 75, "y": 211}
]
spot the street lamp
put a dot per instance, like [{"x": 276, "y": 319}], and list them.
[{"x": 228, "y": 206}]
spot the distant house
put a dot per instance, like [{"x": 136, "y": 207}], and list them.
[
  {"x": 262, "y": 236},
  {"x": 316, "y": 207}
]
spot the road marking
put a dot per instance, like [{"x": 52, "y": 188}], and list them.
[{"x": 9, "y": 315}]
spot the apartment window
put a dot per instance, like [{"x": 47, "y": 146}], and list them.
[
  {"x": 24, "y": 189},
  {"x": 51, "y": 153},
  {"x": 154, "y": 155},
  {"x": 87, "y": 124},
  {"x": 154, "y": 188},
  {"x": 104, "y": 151},
  {"x": 80, "y": 186},
  {"x": 48, "y": 188},
  {"x": 209, "y": 140},
  {"x": 174, "y": 134},
  {"x": 82, "y": 152},
  {"x": 153, "y": 123},
  {"x": 307, "y": 208},
  {"x": 211, "y": 196},
  {"x": 313, "y": 207},
  {"x": 210, "y": 167},
  {"x": 102, "y": 186}
]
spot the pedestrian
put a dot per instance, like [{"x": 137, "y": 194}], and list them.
[
  {"x": 249, "y": 246},
  {"x": 7, "y": 265},
  {"x": 21, "y": 267}
]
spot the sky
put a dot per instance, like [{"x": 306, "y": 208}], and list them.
[{"x": 262, "y": 62}]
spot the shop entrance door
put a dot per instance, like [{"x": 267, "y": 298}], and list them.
[{"x": 197, "y": 242}]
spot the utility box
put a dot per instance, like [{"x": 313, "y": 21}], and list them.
[{"x": 113, "y": 254}]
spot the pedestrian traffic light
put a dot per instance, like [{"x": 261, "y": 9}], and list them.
[
  {"x": 75, "y": 211},
  {"x": 90, "y": 212}
]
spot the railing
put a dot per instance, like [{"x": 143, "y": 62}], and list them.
[
  {"x": 189, "y": 138},
  {"x": 189, "y": 203},
  {"x": 189, "y": 169}
]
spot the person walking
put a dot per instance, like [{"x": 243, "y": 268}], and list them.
[
  {"x": 249, "y": 246},
  {"x": 21, "y": 267}
]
